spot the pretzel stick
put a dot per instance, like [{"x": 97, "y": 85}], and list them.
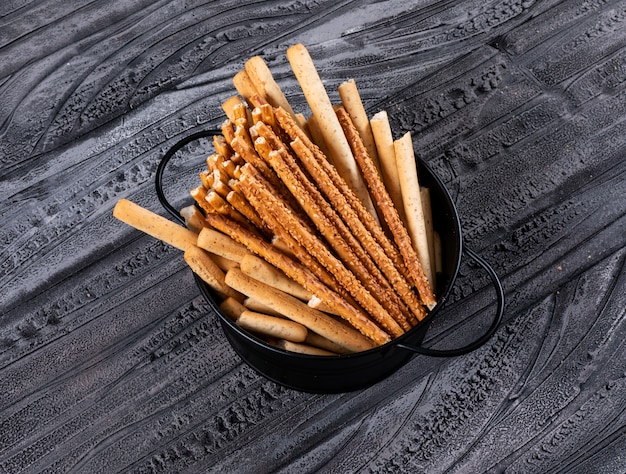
[
  {"x": 229, "y": 104},
  {"x": 302, "y": 275},
  {"x": 264, "y": 82},
  {"x": 153, "y": 224},
  {"x": 387, "y": 159},
  {"x": 407, "y": 170},
  {"x": 259, "y": 269},
  {"x": 390, "y": 213},
  {"x": 299, "y": 312},
  {"x": 201, "y": 264},
  {"x": 322, "y": 109},
  {"x": 351, "y": 100},
  {"x": 317, "y": 248}
]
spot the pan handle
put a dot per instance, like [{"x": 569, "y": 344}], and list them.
[
  {"x": 486, "y": 336},
  {"x": 158, "y": 179}
]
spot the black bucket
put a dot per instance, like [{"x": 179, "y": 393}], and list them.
[{"x": 342, "y": 373}]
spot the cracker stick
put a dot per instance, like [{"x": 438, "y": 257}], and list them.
[
  {"x": 218, "y": 243},
  {"x": 259, "y": 269},
  {"x": 272, "y": 326},
  {"x": 351, "y": 100},
  {"x": 264, "y": 82},
  {"x": 387, "y": 159},
  {"x": 153, "y": 224},
  {"x": 299, "y": 312},
  {"x": 302, "y": 348},
  {"x": 302, "y": 275},
  {"x": 201, "y": 264},
  {"x": 322, "y": 109}
]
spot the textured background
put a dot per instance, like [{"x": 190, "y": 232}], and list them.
[{"x": 111, "y": 361}]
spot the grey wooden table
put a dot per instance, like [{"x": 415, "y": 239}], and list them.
[{"x": 111, "y": 361}]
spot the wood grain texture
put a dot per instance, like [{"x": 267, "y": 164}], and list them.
[{"x": 111, "y": 361}]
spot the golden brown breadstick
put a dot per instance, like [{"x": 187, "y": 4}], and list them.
[
  {"x": 218, "y": 243},
  {"x": 351, "y": 100},
  {"x": 330, "y": 225},
  {"x": 201, "y": 264},
  {"x": 245, "y": 86},
  {"x": 299, "y": 312},
  {"x": 272, "y": 326},
  {"x": 407, "y": 170},
  {"x": 372, "y": 237},
  {"x": 302, "y": 275},
  {"x": 194, "y": 220},
  {"x": 259, "y": 269},
  {"x": 315, "y": 340},
  {"x": 387, "y": 159},
  {"x": 319, "y": 103},
  {"x": 302, "y": 348},
  {"x": 264, "y": 82},
  {"x": 232, "y": 308},
  {"x": 390, "y": 213},
  {"x": 155, "y": 225},
  {"x": 428, "y": 225},
  {"x": 255, "y": 305},
  {"x": 319, "y": 250}
]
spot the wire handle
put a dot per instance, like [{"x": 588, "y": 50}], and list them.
[
  {"x": 158, "y": 179},
  {"x": 486, "y": 336}
]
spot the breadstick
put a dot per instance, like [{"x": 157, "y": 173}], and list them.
[
  {"x": 299, "y": 312},
  {"x": 264, "y": 82},
  {"x": 315, "y": 340},
  {"x": 229, "y": 104},
  {"x": 303, "y": 276},
  {"x": 194, "y": 220},
  {"x": 336, "y": 189},
  {"x": 320, "y": 251},
  {"x": 302, "y": 348},
  {"x": 338, "y": 236},
  {"x": 322, "y": 109},
  {"x": 387, "y": 159},
  {"x": 428, "y": 224},
  {"x": 218, "y": 243},
  {"x": 232, "y": 308},
  {"x": 154, "y": 225},
  {"x": 255, "y": 305},
  {"x": 202, "y": 265},
  {"x": 407, "y": 170},
  {"x": 272, "y": 326},
  {"x": 245, "y": 86},
  {"x": 351, "y": 100},
  {"x": 259, "y": 269}
]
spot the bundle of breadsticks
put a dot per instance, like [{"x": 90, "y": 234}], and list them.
[{"x": 314, "y": 233}]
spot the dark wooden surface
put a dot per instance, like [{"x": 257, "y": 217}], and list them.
[{"x": 110, "y": 360}]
